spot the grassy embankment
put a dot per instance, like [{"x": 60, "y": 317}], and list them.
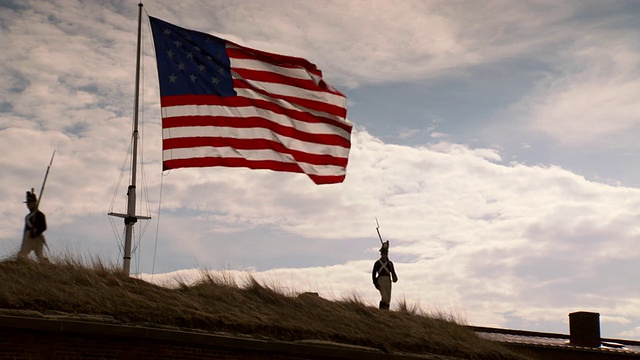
[{"x": 219, "y": 305}]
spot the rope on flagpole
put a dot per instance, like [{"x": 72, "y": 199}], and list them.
[{"x": 155, "y": 247}]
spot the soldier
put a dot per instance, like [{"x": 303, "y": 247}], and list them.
[
  {"x": 35, "y": 224},
  {"x": 383, "y": 273}
]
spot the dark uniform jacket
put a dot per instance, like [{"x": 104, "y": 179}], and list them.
[
  {"x": 383, "y": 269},
  {"x": 35, "y": 223}
]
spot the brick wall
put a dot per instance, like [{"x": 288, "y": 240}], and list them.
[
  {"x": 23, "y": 338},
  {"x": 39, "y": 337}
]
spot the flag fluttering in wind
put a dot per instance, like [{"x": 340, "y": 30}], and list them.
[{"x": 228, "y": 105}]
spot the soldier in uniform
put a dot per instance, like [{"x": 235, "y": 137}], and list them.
[
  {"x": 383, "y": 273},
  {"x": 35, "y": 224}
]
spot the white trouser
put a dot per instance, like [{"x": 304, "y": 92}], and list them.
[
  {"x": 384, "y": 282},
  {"x": 35, "y": 244}
]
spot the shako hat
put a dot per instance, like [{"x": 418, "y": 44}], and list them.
[
  {"x": 31, "y": 197},
  {"x": 384, "y": 249}
]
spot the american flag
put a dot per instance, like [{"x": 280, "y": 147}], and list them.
[{"x": 228, "y": 105}]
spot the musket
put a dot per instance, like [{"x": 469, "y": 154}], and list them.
[
  {"x": 378, "y": 230},
  {"x": 42, "y": 189},
  {"x": 45, "y": 179}
]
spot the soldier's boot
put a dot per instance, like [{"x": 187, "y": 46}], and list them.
[
  {"x": 381, "y": 305},
  {"x": 386, "y": 306}
]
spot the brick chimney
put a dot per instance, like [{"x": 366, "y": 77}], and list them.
[{"x": 584, "y": 329}]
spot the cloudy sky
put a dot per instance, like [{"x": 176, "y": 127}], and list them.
[{"x": 495, "y": 141}]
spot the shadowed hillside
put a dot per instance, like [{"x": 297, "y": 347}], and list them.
[{"x": 218, "y": 305}]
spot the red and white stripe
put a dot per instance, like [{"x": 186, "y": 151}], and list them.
[{"x": 284, "y": 118}]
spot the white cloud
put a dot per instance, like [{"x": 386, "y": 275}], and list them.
[{"x": 595, "y": 98}]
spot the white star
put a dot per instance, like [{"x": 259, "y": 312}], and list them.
[
  {"x": 193, "y": 78},
  {"x": 178, "y": 43},
  {"x": 172, "y": 78},
  {"x": 170, "y": 54},
  {"x": 190, "y": 55},
  {"x": 181, "y": 66},
  {"x": 167, "y": 31},
  {"x": 202, "y": 67},
  {"x": 215, "y": 81}
]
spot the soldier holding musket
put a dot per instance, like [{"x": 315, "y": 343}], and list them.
[
  {"x": 35, "y": 223},
  {"x": 383, "y": 273}
]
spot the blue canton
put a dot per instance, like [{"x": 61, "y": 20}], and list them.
[{"x": 190, "y": 62}]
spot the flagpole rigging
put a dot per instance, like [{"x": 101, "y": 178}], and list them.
[
  {"x": 130, "y": 218},
  {"x": 131, "y": 193}
]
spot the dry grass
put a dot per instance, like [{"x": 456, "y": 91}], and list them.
[{"x": 218, "y": 304}]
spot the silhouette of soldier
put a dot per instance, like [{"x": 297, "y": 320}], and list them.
[
  {"x": 35, "y": 223},
  {"x": 383, "y": 273}
]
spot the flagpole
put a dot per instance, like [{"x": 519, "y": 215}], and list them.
[{"x": 130, "y": 218}]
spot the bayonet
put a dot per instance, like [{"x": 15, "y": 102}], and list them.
[
  {"x": 45, "y": 180},
  {"x": 378, "y": 230}
]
